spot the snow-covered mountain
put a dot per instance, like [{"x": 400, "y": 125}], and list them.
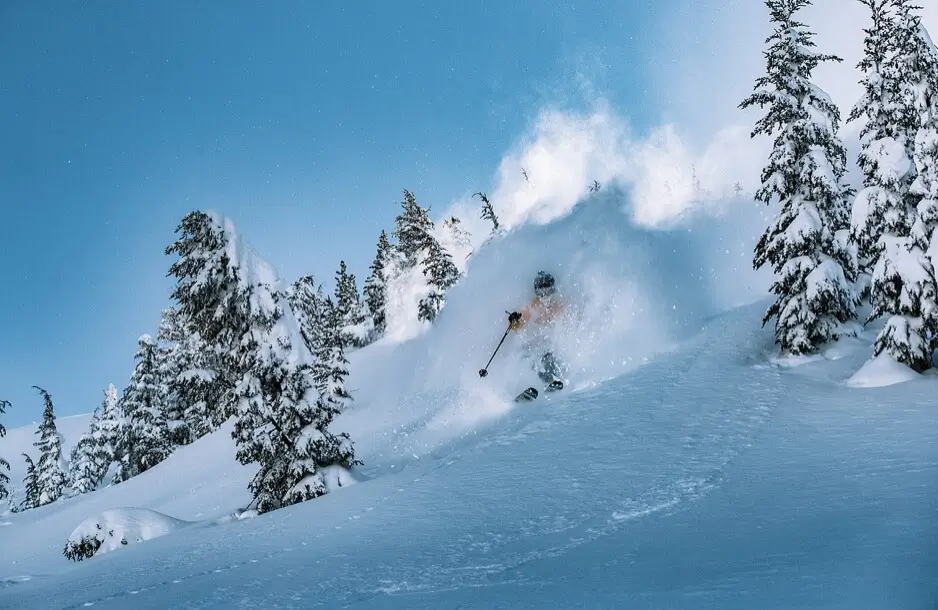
[{"x": 682, "y": 467}]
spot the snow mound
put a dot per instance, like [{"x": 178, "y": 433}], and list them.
[
  {"x": 882, "y": 371},
  {"x": 118, "y": 527}
]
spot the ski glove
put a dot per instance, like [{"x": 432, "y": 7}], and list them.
[{"x": 514, "y": 319}]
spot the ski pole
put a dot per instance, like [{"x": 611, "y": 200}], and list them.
[{"x": 485, "y": 371}]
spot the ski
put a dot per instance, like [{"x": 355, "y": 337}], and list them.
[{"x": 531, "y": 393}]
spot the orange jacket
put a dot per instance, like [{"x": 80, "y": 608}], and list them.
[{"x": 542, "y": 312}]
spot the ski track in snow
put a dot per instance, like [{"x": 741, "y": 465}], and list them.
[{"x": 714, "y": 436}]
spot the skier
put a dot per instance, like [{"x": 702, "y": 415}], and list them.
[{"x": 542, "y": 312}]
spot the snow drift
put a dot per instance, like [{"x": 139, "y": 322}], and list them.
[{"x": 881, "y": 371}]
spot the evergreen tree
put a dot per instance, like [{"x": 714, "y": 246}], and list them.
[
  {"x": 107, "y": 434},
  {"x": 306, "y": 299},
  {"x": 416, "y": 244},
  {"x": 50, "y": 477},
  {"x": 212, "y": 292},
  {"x": 925, "y": 151},
  {"x": 807, "y": 243},
  {"x": 145, "y": 439},
  {"x": 488, "y": 212},
  {"x": 883, "y": 138},
  {"x": 281, "y": 426},
  {"x": 30, "y": 486},
  {"x": 4, "y": 465},
  {"x": 413, "y": 231},
  {"x": 376, "y": 287},
  {"x": 215, "y": 294},
  {"x": 190, "y": 372},
  {"x": 284, "y": 430},
  {"x": 441, "y": 275},
  {"x": 203, "y": 388},
  {"x": 232, "y": 297},
  {"x": 458, "y": 237},
  {"x": 330, "y": 366},
  {"x": 83, "y": 470},
  {"x": 173, "y": 360},
  {"x": 13, "y": 503},
  {"x": 903, "y": 288},
  {"x": 349, "y": 306}
]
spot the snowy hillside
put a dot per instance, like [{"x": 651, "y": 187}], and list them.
[
  {"x": 684, "y": 468},
  {"x": 657, "y": 489}
]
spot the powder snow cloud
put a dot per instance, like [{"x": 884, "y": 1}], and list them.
[
  {"x": 702, "y": 160},
  {"x": 553, "y": 164}
]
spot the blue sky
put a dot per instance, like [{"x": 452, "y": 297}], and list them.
[{"x": 300, "y": 120}]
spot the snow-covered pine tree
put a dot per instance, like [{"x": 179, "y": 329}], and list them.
[
  {"x": 201, "y": 386},
  {"x": 190, "y": 372},
  {"x": 457, "y": 241},
  {"x": 84, "y": 474},
  {"x": 286, "y": 432},
  {"x": 349, "y": 305},
  {"x": 279, "y": 425},
  {"x": 441, "y": 275},
  {"x": 13, "y": 502},
  {"x": 31, "y": 493},
  {"x": 807, "y": 243},
  {"x": 50, "y": 477},
  {"x": 925, "y": 151},
  {"x": 456, "y": 235},
  {"x": 213, "y": 296},
  {"x": 903, "y": 286},
  {"x": 172, "y": 362},
  {"x": 376, "y": 287},
  {"x": 330, "y": 366},
  {"x": 145, "y": 439},
  {"x": 233, "y": 297},
  {"x": 306, "y": 299},
  {"x": 417, "y": 244},
  {"x": 107, "y": 434},
  {"x": 4, "y": 465},
  {"x": 221, "y": 292},
  {"x": 882, "y": 158},
  {"x": 488, "y": 212},
  {"x": 413, "y": 231}
]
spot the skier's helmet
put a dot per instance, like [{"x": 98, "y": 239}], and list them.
[{"x": 544, "y": 284}]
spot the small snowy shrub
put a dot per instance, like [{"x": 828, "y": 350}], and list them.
[
  {"x": 115, "y": 528},
  {"x": 83, "y": 548}
]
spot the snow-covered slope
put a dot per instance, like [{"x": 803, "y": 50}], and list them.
[
  {"x": 703, "y": 479},
  {"x": 683, "y": 469},
  {"x": 198, "y": 482}
]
